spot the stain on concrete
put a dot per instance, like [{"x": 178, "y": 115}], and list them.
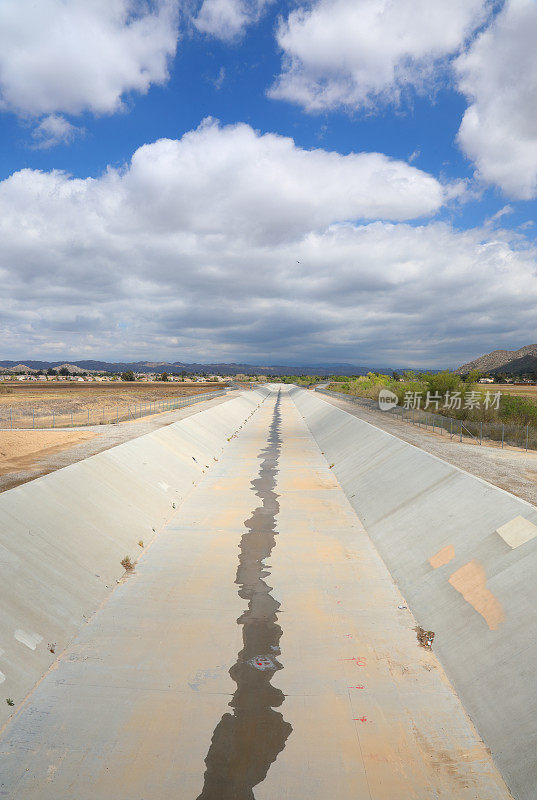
[
  {"x": 246, "y": 742},
  {"x": 444, "y": 556},
  {"x": 517, "y": 532},
  {"x": 471, "y": 581}
]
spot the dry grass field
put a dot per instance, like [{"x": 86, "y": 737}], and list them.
[
  {"x": 30, "y": 403},
  {"x": 522, "y": 390}
]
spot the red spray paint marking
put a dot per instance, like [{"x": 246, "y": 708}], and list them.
[
  {"x": 359, "y": 719},
  {"x": 356, "y": 687},
  {"x": 360, "y": 661}
]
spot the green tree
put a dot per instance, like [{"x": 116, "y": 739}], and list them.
[
  {"x": 128, "y": 375},
  {"x": 164, "y": 376}
]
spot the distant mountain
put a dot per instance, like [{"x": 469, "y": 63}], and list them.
[
  {"x": 510, "y": 362},
  {"x": 179, "y": 366}
]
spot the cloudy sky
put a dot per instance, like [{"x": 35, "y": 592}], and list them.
[{"x": 268, "y": 181}]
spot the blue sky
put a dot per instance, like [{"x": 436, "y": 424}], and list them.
[{"x": 243, "y": 180}]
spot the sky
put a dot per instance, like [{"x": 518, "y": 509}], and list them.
[{"x": 268, "y": 182}]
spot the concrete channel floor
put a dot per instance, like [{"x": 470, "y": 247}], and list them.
[{"x": 258, "y": 651}]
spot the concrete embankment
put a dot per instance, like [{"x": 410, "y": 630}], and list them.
[
  {"x": 259, "y": 649},
  {"x": 63, "y": 536},
  {"x": 464, "y": 554}
]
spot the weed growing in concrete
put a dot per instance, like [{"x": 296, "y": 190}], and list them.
[
  {"x": 9, "y": 701},
  {"x": 140, "y": 543},
  {"x": 127, "y": 564},
  {"x": 425, "y": 638}
]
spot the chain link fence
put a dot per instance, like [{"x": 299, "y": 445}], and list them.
[
  {"x": 508, "y": 434},
  {"x": 37, "y": 418}
]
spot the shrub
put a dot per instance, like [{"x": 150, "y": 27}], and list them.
[{"x": 127, "y": 564}]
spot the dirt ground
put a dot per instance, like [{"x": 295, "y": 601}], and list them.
[
  {"x": 19, "y": 450},
  {"x": 511, "y": 469},
  {"x": 25, "y": 455}
]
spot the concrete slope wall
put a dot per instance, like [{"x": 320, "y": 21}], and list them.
[
  {"x": 63, "y": 536},
  {"x": 463, "y": 553}
]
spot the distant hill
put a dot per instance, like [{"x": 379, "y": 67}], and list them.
[
  {"x": 20, "y": 368},
  {"x": 179, "y": 366},
  {"x": 510, "y": 362}
]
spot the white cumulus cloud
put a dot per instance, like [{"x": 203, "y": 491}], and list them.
[
  {"x": 361, "y": 53},
  {"x": 229, "y": 244},
  {"x": 498, "y": 74},
  {"x": 228, "y": 19},
  {"x": 59, "y": 56}
]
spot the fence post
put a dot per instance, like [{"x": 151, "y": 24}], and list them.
[
  {"x": 527, "y": 436},
  {"x": 11, "y": 418},
  {"x": 53, "y": 419},
  {"x": 503, "y": 426},
  {"x": 33, "y": 417},
  {"x": 480, "y": 433},
  {"x": 460, "y": 429}
]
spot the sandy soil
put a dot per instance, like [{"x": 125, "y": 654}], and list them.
[
  {"x": 511, "y": 468},
  {"x": 20, "y": 450},
  {"x": 30, "y": 454}
]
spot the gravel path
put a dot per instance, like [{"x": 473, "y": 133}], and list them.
[
  {"x": 106, "y": 436},
  {"x": 511, "y": 469}
]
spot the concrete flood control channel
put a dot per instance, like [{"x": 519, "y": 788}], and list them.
[{"x": 259, "y": 650}]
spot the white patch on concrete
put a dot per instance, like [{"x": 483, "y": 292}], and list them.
[
  {"x": 164, "y": 486},
  {"x": 31, "y": 640},
  {"x": 518, "y": 531},
  {"x": 2, "y": 677}
]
